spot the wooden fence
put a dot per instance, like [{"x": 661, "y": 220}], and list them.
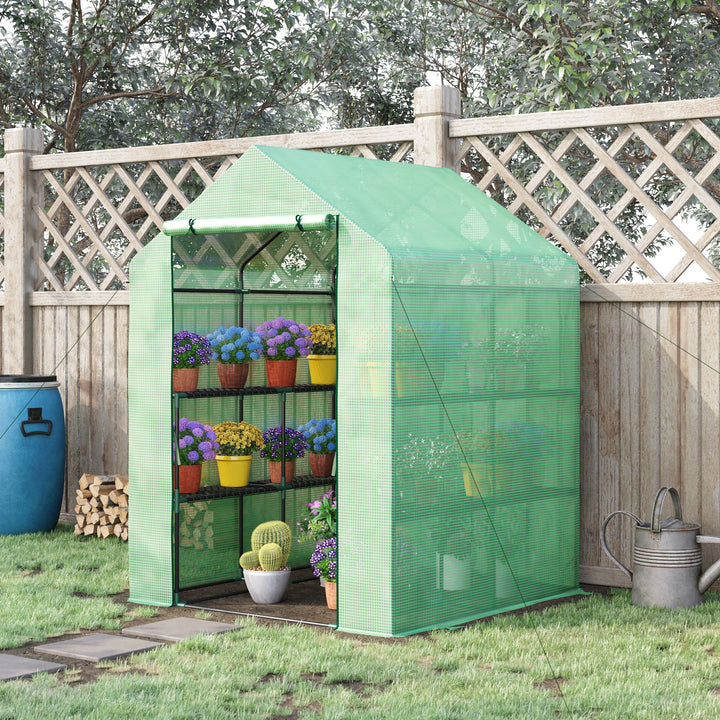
[{"x": 650, "y": 412}]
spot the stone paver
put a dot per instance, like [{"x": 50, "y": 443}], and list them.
[
  {"x": 178, "y": 628},
  {"x": 97, "y": 647},
  {"x": 14, "y": 667}
]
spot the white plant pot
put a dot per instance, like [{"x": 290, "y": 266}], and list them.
[
  {"x": 452, "y": 573},
  {"x": 266, "y": 587}
]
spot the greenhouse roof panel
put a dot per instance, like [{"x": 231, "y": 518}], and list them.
[{"x": 406, "y": 206}]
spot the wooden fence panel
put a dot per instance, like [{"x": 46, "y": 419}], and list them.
[
  {"x": 86, "y": 347},
  {"x": 650, "y": 417}
]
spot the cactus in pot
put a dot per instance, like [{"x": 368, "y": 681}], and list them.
[{"x": 263, "y": 567}]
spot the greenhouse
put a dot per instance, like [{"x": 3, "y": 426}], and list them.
[{"x": 456, "y": 395}]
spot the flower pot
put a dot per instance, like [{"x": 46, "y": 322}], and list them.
[
  {"x": 479, "y": 479},
  {"x": 275, "y": 467},
  {"x": 185, "y": 379},
  {"x": 266, "y": 587},
  {"x": 280, "y": 373},
  {"x": 233, "y": 376},
  {"x": 234, "y": 470},
  {"x": 189, "y": 478},
  {"x": 321, "y": 465},
  {"x": 376, "y": 375},
  {"x": 331, "y": 594},
  {"x": 452, "y": 572},
  {"x": 323, "y": 369}
]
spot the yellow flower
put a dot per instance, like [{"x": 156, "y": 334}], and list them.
[
  {"x": 324, "y": 339},
  {"x": 238, "y": 438}
]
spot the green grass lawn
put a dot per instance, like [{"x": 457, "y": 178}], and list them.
[{"x": 612, "y": 660}]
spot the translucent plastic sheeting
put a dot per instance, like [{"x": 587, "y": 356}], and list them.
[{"x": 458, "y": 383}]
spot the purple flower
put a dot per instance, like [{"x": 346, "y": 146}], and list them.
[
  {"x": 196, "y": 442},
  {"x": 190, "y": 350},
  {"x": 277, "y": 324},
  {"x": 271, "y": 351},
  {"x": 272, "y": 332},
  {"x": 290, "y": 351},
  {"x": 294, "y": 329}
]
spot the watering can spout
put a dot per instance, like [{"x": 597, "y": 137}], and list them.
[{"x": 713, "y": 572}]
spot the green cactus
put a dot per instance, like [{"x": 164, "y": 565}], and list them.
[
  {"x": 249, "y": 560},
  {"x": 271, "y": 557},
  {"x": 273, "y": 531}
]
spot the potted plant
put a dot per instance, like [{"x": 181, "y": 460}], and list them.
[
  {"x": 282, "y": 443},
  {"x": 324, "y": 565},
  {"x": 320, "y": 436},
  {"x": 234, "y": 348},
  {"x": 322, "y": 360},
  {"x": 283, "y": 341},
  {"x": 420, "y": 352},
  {"x": 432, "y": 460},
  {"x": 264, "y": 567},
  {"x": 513, "y": 348},
  {"x": 237, "y": 441},
  {"x": 321, "y": 522},
  {"x": 495, "y": 455},
  {"x": 196, "y": 444},
  {"x": 190, "y": 351}
]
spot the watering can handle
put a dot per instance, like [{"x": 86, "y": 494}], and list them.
[
  {"x": 657, "y": 507},
  {"x": 603, "y": 542}
]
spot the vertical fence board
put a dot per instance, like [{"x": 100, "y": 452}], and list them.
[
  {"x": 629, "y": 349},
  {"x": 589, "y": 482},
  {"x": 610, "y": 496},
  {"x": 649, "y": 394},
  {"x": 710, "y": 424},
  {"x": 690, "y": 411},
  {"x": 668, "y": 396}
]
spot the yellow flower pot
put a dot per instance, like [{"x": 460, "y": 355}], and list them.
[
  {"x": 323, "y": 369},
  {"x": 234, "y": 470}
]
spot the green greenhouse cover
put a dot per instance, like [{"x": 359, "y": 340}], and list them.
[{"x": 457, "y": 396}]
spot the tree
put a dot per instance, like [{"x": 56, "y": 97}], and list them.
[
  {"x": 108, "y": 72},
  {"x": 507, "y": 56}
]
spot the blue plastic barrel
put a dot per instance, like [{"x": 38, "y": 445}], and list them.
[{"x": 32, "y": 453}]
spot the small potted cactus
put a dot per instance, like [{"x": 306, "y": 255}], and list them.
[{"x": 264, "y": 567}]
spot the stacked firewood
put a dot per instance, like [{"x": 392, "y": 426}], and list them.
[
  {"x": 102, "y": 506},
  {"x": 196, "y": 526}
]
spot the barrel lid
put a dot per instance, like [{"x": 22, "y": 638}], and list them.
[{"x": 28, "y": 378}]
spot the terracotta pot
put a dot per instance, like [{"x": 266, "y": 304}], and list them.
[
  {"x": 280, "y": 373},
  {"x": 233, "y": 376},
  {"x": 331, "y": 594},
  {"x": 185, "y": 379},
  {"x": 276, "y": 471},
  {"x": 321, "y": 465},
  {"x": 189, "y": 478}
]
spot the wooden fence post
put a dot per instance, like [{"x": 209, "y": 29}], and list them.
[
  {"x": 23, "y": 190},
  {"x": 434, "y": 107}
]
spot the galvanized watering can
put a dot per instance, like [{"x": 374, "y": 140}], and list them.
[{"x": 667, "y": 558}]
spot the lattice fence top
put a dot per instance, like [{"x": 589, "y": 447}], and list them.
[
  {"x": 97, "y": 216},
  {"x": 636, "y": 196}
]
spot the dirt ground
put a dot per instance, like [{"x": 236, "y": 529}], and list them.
[{"x": 304, "y": 602}]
